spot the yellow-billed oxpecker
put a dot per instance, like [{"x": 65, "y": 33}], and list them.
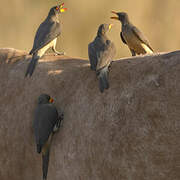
[
  {"x": 101, "y": 53},
  {"x": 132, "y": 36},
  {"x": 46, "y": 37},
  {"x": 46, "y": 122}
]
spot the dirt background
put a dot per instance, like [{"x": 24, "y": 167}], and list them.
[
  {"x": 158, "y": 19},
  {"x": 130, "y": 132}
]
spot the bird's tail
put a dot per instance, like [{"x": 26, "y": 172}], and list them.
[
  {"x": 45, "y": 157},
  {"x": 103, "y": 78},
  {"x": 45, "y": 161},
  {"x": 32, "y": 65}
]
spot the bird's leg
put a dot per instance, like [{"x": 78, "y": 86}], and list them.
[
  {"x": 58, "y": 124},
  {"x": 56, "y": 52},
  {"x": 133, "y": 52}
]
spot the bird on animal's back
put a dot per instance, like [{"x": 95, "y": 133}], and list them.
[
  {"x": 46, "y": 122},
  {"x": 132, "y": 36},
  {"x": 46, "y": 37},
  {"x": 101, "y": 52}
]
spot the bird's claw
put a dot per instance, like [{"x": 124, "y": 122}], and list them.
[
  {"x": 61, "y": 117},
  {"x": 56, "y": 127},
  {"x": 59, "y": 54},
  {"x": 58, "y": 124}
]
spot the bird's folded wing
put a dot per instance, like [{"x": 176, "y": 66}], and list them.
[
  {"x": 105, "y": 55},
  {"x": 92, "y": 55},
  {"x": 46, "y": 117},
  {"x": 140, "y": 36},
  {"x": 46, "y": 32}
]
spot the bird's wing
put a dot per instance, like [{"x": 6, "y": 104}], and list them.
[
  {"x": 105, "y": 54},
  {"x": 92, "y": 55},
  {"x": 122, "y": 38},
  {"x": 140, "y": 36},
  {"x": 46, "y": 32},
  {"x": 46, "y": 116}
]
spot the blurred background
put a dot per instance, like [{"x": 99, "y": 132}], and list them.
[{"x": 157, "y": 19}]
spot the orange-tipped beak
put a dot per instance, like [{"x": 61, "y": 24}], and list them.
[
  {"x": 114, "y": 17},
  {"x": 51, "y": 100},
  {"x": 61, "y": 5},
  {"x": 63, "y": 10}
]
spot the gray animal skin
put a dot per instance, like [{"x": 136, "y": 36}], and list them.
[
  {"x": 101, "y": 52},
  {"x": 46, "y": 123},
  {"x": 46, "y": 37},
  {"x": 132, "y": 36}
]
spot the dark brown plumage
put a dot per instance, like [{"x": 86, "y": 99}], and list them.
[
  {"x": 46, "y": 37},
  {"x": 46, "y": 123},
  {"x": 132, "y": 36},
  {"x": 101, "y": 52}
]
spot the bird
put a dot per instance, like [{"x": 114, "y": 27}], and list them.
[
  {"x": 132, "y": 36},
  {"x": 46, "y": 122},
  {"x": 101, "y": 52},
  {"x": 46, "y": 37}
]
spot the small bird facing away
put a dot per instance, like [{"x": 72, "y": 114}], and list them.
[
  {"x": 132, "y": 36},
  {"x": 101, "y": 52},
  {"x": 46, "y": 123},
  {"x": 46, "y": 37}
]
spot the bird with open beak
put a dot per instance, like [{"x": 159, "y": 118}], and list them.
[
  {"x": 132, "y": 36},
  {"x": 46, "y": 37}
]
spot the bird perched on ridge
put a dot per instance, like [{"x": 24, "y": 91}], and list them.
[
  {"x": 46, "y": 37},
  {"x": 132, "y": 36},
  {"x": 46, "y": 123},
  {"x": 101, "y": 53}
]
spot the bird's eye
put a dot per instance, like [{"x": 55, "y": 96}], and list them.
[{"x": 57, "y": 8}]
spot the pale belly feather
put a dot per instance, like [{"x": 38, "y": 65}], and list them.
[
  {"x": 135, "y": 44},
  {"x": 45, "y": 48}
]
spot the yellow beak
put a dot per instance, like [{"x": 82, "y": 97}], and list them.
[
  {"x": 61, "y": 6},
  {"x": 114, "y": 17},
  {"x": 110, "y": 26},
  {"x": 62, "y": 10}
]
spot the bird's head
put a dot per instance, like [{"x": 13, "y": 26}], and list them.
[
  {"x": 45, "y": 99},
  {"x": 121, "y": 16},
  {"x": 103, "y": 28},
  {"x": 57, "y": 9}
]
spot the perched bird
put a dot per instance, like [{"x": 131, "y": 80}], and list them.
[
  {"x": 46, "y": 37},
  {"x": 132, "y": 36},
  {"x": 101, "y": 52},
  {"x": 46, "y": 123}
]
